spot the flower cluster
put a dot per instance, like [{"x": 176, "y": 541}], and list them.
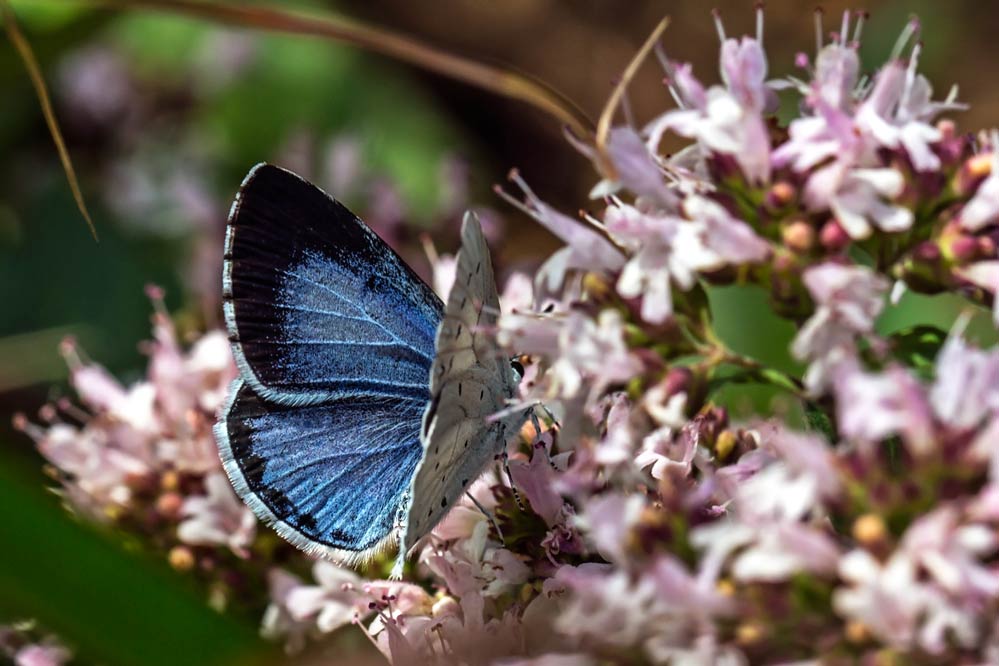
[
  {"x": 657, "y": 529},
  {"x": 142, "y": 459},
  {"x": 640, "y": 521}
]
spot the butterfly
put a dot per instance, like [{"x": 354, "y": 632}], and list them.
[{"x": 364, "y": 406}]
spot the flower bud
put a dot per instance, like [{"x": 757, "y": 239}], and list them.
[
  {"x": 927, "y": 252},
  {"x": 597, "y": 287},
  {"x": 870, "y": 530},
  {"x": 798, "y": 236},
  {"x": 170, "y": 480},
  {"x": 987, "y": 247},
  {"x": 677, "y": 381},
  {"x": 169, "y": 505},
  {"x": 963, "y": 248},
  {"x": 725, "y": 444},
  {"x": 833, "y": 237},
  {"x": 181, "y": 558},
  {"x": 857, "y": 632},
  {"x": 779, "y": 195},
  {"x": 749, "y": 633},
  {"x": 971, "y": 174}
]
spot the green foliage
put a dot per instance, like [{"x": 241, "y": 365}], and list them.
[{"x": 112, "y": 607}]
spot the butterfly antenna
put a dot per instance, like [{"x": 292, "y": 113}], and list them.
[{"x": 489, "y": 516}]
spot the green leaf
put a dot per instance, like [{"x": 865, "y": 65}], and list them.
[
  {"x": 110, "y": 606},
  {"x": 818, "y": 421},
  {"x": 917, "y": 347}
]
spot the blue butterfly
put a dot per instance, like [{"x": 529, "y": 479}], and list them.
[{"x": 362, "y": 410}]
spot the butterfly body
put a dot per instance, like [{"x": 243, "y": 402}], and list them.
[{"x": 355, "y": 380}]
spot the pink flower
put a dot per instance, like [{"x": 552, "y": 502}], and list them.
[
  {"x": 983, "y": 208},
  {"x": 42, "y": 655},
  {"x": 218, "y": 518},
  {"x": 592, "y": 352},
  {"x": 768, "y": 527},
  {"x": 335, "y": 600},
  {"x": 535, "y": 482},
  {"x": 848, "y": 299},
  {"x": 666, "y": 249},
  {"x": 607, "y": 520},
  {"x": 886, "y": 598},
  {"x": 585, "y": 248},
  {"x": 897, "y": 111},
  {"x": 952, "y": 554},
  {"x": 636, "y": 167},
  {"x": 984, "y": 274},
  {"x": 872, "y": 407},
  {"x": 725, "y": 120},
  {"x": 278, "y": 622},
  {"x": 966, "y": 389},
  {"x": 664, "y": 450}
]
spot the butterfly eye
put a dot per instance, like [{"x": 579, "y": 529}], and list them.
[{"x": 517, "y": 366}]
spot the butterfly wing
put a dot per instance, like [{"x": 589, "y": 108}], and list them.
[
  {"x": 329, "y": 477},
  {"x": 334, "y": 338},
  {"x": 317, "y": 306},
  {"x": 471, "y": 379}
]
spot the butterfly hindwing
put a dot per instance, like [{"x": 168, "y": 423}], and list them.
[
  {"x": 329, "y": 477},
  {"x": 470, "y": 381},
  {"x": 317, "y": 306}
]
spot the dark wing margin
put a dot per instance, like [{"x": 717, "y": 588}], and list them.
[
  {"x": 318, "y": 307},
  {"x": 330, "y": 478}
]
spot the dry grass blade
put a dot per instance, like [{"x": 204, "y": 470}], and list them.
[
  {"x": 379, "y": 40},
  {"x": 607, "y": 115},
  {"x": 34, "y": 72}
]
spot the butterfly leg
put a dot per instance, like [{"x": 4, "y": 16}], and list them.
[
  {"x": 489, "y": 516},
  {"x": 505, "y": 459},
  {"x": 536, "y": 422}
]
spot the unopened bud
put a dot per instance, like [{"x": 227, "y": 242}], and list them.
[
  {"x": 780, "y": 195},
  {"x": 169, "y": 505},
  {"x": 833, "y": 237},
  {"x": 971, "y": 174},
  {"x": 725, "y": 444},
  {"x": 749, "y": 633},
  {"x": 964, "y": 248},
  {"x": 857, "y": 632},
  {"x": 596, "y": 286},
  {"x": 677, "y": 381},
  {"x": 181, "y": 558},
  {"x": 869, "y": 530},
  {"x": 798, "y": 236},
  {"x": 170, "y": 480},
  {"x": 927, "y": 252}
]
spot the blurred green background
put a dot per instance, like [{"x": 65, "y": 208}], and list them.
[{"x": 163, "y": 117}]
